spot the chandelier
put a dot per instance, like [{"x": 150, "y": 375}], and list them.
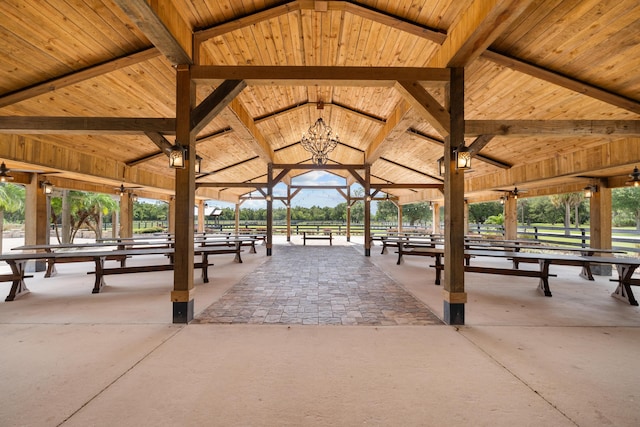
[{"x": 319, "y": 140}]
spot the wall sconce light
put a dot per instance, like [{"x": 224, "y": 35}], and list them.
[
  {"x": 503, "y": 200},
  {"x": 463, "y": 158},
  {"x": 635, "y": 177},
  {"x": 589, "y": 190},
  {"x": 134, "y": 197},
  {"x": 177, "y": 156},
  {"x": 430, "y": 206},
  {"x": 4, "y": 173},
  {"x": 368, "y": 198},
  {"x": 198, "y": 166},
  {"x": 268, "y": 198},
  {"x": 47, "y": 187},
  {"x": 441, "y": 167}
]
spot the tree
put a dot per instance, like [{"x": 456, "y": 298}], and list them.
[
  {"x": 387, "y": 211},
  {"x": 11, "y": 200},
  {"x": 627, "y": 200},
  {"x": 417, "y": 212},
  {"x": 569, "y": 201},
  {"x": 84, "y": 209},
  {"x": 479, "y": 212}
]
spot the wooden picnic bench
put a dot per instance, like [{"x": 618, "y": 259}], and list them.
[
  {"x": 313, "y": 235},
  {"x": 407, "y": 241},
  {"x": 18, "y": 261},
  {"x": 625, "y": 267}
]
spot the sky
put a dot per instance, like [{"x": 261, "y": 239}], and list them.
[{"x": 305, "y": 198}]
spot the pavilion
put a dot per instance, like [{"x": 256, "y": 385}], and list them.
[{"x": 541, "y": 95}]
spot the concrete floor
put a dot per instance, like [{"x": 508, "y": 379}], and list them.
[{"x": 72, "y": 358}]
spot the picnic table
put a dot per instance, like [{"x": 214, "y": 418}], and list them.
[
  {"x": 624, "y": 266},
  {"x": 18, "y": 261}
]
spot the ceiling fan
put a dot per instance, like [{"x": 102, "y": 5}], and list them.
[
  {"x": 5, "y": 172},
  {"x": 122, "y": 189},
  {"x": 515, "y": 192}
]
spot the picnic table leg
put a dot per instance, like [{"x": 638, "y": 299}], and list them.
[
  {"x": 238, "y": 259},
  {"x": 400, "y": 260},
  {"x": 623, "y": 291},
  {"x": 253, "y": 247},
  {"x": 205, "y": 267},
  {"x": 439, "y": 268},
  {"x": 585, "y": 273},
  {"x": 99, "y": 283},
  {"x": 51, "y": 267},
  {"x": 544, "y": 277},
  {"x": 18, "y": 287}
]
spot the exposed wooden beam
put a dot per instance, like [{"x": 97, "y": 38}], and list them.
[
  {"x": 242, "y": 122},
  {"x": 85, "y": 125},
  {"x": 425, "y": 104},
  {"x": 228, "y": 167},
  {"x": 412, "y": 169},
  {"x": 319, "y": 187},
  {"x": 624, "y": 152},
  {"x": 394, "y": 22},
  {"x": 477, "y": 156},
  {"x": 563, "y": 81},
  {"x": 480, "y": 24},
  {"x": 163, "y": 26},
  {"x": 407, "y": 186},
  {"x": 479, "y": 143},
  {"x": 214, "y": 103},
  {"x": 318, "y": 75},
  {"x": 518, "y": 128},
  {"x": 161, "y": 142},
  {"x": 396, "y": 125},
  {"x": 231, "y": 184},
  {"x": 78, "y": 76}
]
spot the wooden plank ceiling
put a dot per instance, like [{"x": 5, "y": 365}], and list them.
[{"x": 552, "y": 90}]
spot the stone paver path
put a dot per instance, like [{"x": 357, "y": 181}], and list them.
[{"x": 316, "y": 285}]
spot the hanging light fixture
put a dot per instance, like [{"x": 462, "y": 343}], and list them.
[
  {"x": 4, "y": 173},
  {"x": 463, "y": 158},
  {"x": 441, "y": 167},
  {"x": 319, "y": 140},
  {"x": 177, "y": 156},
  {"x": 589, "y": 190},
  {"x": 635, "y": 177},
  {"x": 198, "y": 165},
  {"x": 47, "y": 187}
]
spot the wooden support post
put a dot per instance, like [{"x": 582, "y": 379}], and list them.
[
  {"x": 269, "y": 209},
  {"x": 172, "y": 215},
  {"x": 115, "y": 222},
  {"x": 201, "y": 217},
  {"x": 399, "y": 206},
  {"x": 466, "y": 218},
  {"x": 36, "y": 225},
  {"x": 237, "y": 217},
  {"x": 600, "y": 232},
  {"x": 367, "y": 210},
  {"x": 348, "y": 213},
  {"x": 436, "y": 219},
  {"x": 182, "y": 295},
  {"x": 126, "y": 215},
  {"x": 454, "y": 293},
  {"x": 510, "y": 218},
  {"x": 288, "y": 213}
]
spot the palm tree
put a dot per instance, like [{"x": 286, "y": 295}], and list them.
[
  {"x": 11, "y": 200},
  {"x": 83, "y": 209}
]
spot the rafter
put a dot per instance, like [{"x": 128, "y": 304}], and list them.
[
  {"x": 395, "y": 126},
  {"x": 163, "y": 26},
  {"x": 242, "y": 122},
  {"x": 214, "y": 103},
  {"x": 480, "y": 24},
  {"x": 426, "y": 105},
  {"x": 78, "y": 76}
]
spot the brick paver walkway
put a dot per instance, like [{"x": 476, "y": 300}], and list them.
[{"x": 316, "y": 285}]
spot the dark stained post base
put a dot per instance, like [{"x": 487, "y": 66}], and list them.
[
  {"x": 601, "y": 269},
  {"x": 453, "y": 313},
  {"x": 367, "y": 252},
  {"x": 183, "y": 312},
  {"x": 268, "y": 251}
]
